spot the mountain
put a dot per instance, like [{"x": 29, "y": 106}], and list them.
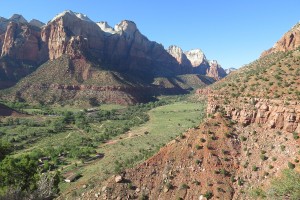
[
  {"x": 250, "y": 136},
  {"x": 229, "y": 70},
  {"x": 87, "y": 49},
  {"x": 21, "y": 49},
  {"x": 197, "y": 62},
  {"x": 289, "y": 41}
]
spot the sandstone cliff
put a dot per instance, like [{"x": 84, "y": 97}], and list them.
[
  {"x": 289, "y": 41},
  {"x": 272, "y": 114},
  {"x": 196, "y": 62},
  {"x": 215, "y": 70}
]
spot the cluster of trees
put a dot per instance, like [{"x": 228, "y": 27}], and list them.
[{"x": 21, "y": 178}]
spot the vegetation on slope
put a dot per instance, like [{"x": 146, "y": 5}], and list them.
[{"x": 274, "y": 76}]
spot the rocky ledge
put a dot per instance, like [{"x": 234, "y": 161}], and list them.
[{"x": 272, "y": 114}]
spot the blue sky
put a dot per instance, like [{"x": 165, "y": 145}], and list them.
[{"x": 234, "y": 32}]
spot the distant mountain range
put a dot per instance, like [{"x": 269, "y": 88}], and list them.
[{"x": 71, "y": 52}]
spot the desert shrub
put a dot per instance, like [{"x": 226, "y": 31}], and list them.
[{"x": 291, "y": 165}]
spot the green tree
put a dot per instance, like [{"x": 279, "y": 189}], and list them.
[{"x": 5, "y": 148}]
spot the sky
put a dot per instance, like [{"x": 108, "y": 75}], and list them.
[{"x": 233, "y": 32}]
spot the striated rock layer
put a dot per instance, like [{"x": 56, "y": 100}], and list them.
[{"x": 272, "y": 114}]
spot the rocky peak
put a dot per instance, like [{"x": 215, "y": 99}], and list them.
[
  {"x": 196, "y": 57},
  {"x": 71, "y": 14},
  {"x": 18, "y": 19},
  {"x": 106, "y": 27},
  {"x": 126, "y": 26},
  {"x": 37, "y": 23},
  {"x": 215, "y": 70},
  {"x": 289, "y": 41},
  {"x": 178, "y": 54}
]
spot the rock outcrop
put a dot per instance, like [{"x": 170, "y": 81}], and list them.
[
  {"x": 62, "y": 28},
  {"x": 273, "y": 114},
  {"x": 289, "y": 41},
  {"x": 21, "y": 42},
  {"x": 178, "y": 54},
  {"x": 215, "y": 70}
]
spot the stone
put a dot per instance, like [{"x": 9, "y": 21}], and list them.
[
  {"x": 103, "y": 189},
  {"x": 118, "y": 179}
]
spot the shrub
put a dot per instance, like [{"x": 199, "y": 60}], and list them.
[
  {"x": 295, "y": 135},
  {"x": 208, "y": 195},
  {"x": 263, "y": 157},
  {"x": 184, "y": 186},
  {"x": 243, "y": 138},
  {"x": 291, "y": 165},
  {"x": 202, "y": 140},
  {"x": 254, "y": 168}
]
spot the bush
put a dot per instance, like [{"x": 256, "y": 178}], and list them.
[
  {"x": 184, "y": 186},
  {"x": 291, "y": 165},
  {"x": 254, "y": 168},
  {"x": 263, "y": 157},
  {"x": 208, "y": 195}
]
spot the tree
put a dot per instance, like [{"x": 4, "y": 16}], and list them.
[
  {"x": 19, "y": 172},
  {"x": 5, "y": 148}
]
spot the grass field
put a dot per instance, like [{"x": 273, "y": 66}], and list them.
[{"x": 166, "y": 122}]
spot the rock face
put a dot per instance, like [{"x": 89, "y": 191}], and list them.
[
  {"x": 196, "y": 57},
  {"x": 178, "y": 54},
  {"x": 20, "y": 49},
  {"x": 57, "y": 34},
  {"x": 273, "y": 114},
  {"x": 21, "y": 42},
  {"x": 195, "y": 62},
  {"x": 215, "y": 70},
  {"x": 288, "y": 42}
]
